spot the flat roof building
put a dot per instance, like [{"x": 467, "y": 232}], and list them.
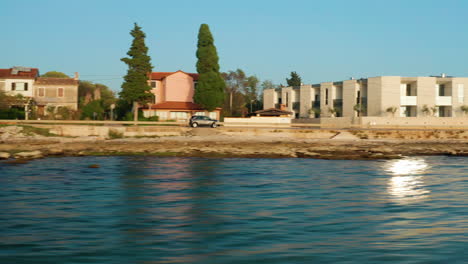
[{"x": 440, "y": 96}]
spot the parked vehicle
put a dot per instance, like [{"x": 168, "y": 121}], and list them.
[{"x": 196, "y": 121}]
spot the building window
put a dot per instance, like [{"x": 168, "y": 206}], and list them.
[
  {"x": 213, "y": 115},
  {"x": 59, "y": 92},
  {"x": 287, "y": 99},
  {"x": 19, "y": 86},
  {"x": 199, "y": 113},
  {"x": 153, "y": 84},
  {"x": 162, "y": 115},
  {"x": 178, "y": 115},
  {"x": 326, "y": 96},
  {"x": 41, "y": 92}
]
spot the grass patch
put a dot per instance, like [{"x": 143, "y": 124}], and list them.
[
  {"x": 30, "y": 131},
  {"x": 114, "y": 134}
]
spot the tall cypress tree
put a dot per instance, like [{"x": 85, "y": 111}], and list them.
[
  {"x": 135, "y": 88},
  {"x": 209, "y": 92}
]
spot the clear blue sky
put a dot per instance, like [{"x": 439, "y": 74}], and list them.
[{"x": 321, "y": 40}]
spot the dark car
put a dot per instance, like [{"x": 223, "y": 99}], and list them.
[{"x": 196, "y": 121}]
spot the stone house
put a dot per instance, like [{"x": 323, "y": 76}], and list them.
[{"x": 41, "y": 92}]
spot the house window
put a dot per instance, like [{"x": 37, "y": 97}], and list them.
[
  {"x": 199, "y": 113},
  {"x": 60, "y": 92},
  {"x": 19, "y": 86},
  {"x": 162, "y": 115},
  {"x": 178, "y": 115},
  {"x": 41, "y": 92},
  {"x": 213, "y": 115},
  {"x": 153, "y": 85}
]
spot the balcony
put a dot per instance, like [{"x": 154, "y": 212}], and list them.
[
  {"x": 408, "y": 100},
  {"x": 444, "y": 100}
]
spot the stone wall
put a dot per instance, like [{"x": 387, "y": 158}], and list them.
[{"x": 413, "y": 121}]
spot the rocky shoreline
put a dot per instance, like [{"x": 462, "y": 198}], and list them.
[{"x": 33, "y": 148}]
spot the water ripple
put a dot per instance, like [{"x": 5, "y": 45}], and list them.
[{"x": 197, "y": 210}]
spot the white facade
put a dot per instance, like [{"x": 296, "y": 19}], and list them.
[{"x": 375, "y": 96}]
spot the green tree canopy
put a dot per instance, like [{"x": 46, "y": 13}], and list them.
[
  {"x": 87, "y": 91},
  {"x": 295, "y": 79},
  {"x": 55, "y": 74},
  {"x": 209, "y": 92},
  {"x": 94, "y": 110},
  {"x": 135, "y": 87}
]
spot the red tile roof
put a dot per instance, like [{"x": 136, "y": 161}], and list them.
[
  {"x": 177, "y": 106},
  {"x": 7, "y": 74},
  {"x": 56, "y": 81},
  {"x": 162, "y": 75}
]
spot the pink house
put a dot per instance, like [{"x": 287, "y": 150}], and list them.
[{"x": 173, "y": 97}]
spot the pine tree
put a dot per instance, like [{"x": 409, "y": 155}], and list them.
[
  {"x": 295, "y": 79},
  {"x": 135, "y": 88},
  {"x": 209, "y": 92}
]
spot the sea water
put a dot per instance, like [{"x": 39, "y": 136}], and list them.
[{"x": 201, "y": 210}]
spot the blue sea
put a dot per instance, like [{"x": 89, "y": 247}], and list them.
[{"x": 202, "y": 210}]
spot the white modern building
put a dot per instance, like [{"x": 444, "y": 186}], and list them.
[{"x": 439, "y": 96}]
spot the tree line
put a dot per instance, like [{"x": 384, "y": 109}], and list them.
[{"x": 234, "y": 91}]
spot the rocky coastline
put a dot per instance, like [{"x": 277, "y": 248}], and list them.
[
  {"x": 319, "y": 149},
  {"x": 18, "y": 145}
]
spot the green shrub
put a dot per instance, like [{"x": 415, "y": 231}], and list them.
[
  {"x": 113, "y": 134},
  {"x": 93, "y": 110}
]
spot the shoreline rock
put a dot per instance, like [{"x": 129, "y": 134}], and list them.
[{"x": 236, "y": 148}]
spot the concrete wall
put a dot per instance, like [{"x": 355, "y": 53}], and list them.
[
  {"x": 336, "y": 121},
  {"x": 459, "y": 95},
  {"x": 103, "y": 131},
  {"x": 256, "y": 121},
  {"x": 306, "y": 97},
  {"x": 270, "y": 98},
  {"x": 350, "y": 88},
  {"x": 413, "y": 121},
  {"x": 426, "y": 93}
]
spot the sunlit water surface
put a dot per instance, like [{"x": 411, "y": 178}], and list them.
[{"x": 197, "y": 210}]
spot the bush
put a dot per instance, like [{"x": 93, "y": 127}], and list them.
[
  {"x": 152, "y": 118},
  {"x": 113, "y": 134},
  {"x": 93, "y": 110},
  {"x": 12, "y": 113}
]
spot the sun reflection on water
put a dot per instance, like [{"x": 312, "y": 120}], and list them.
[{"x": 407, "y": 184}]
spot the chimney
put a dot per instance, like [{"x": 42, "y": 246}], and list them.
[{"x": 76, "y": 76}]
